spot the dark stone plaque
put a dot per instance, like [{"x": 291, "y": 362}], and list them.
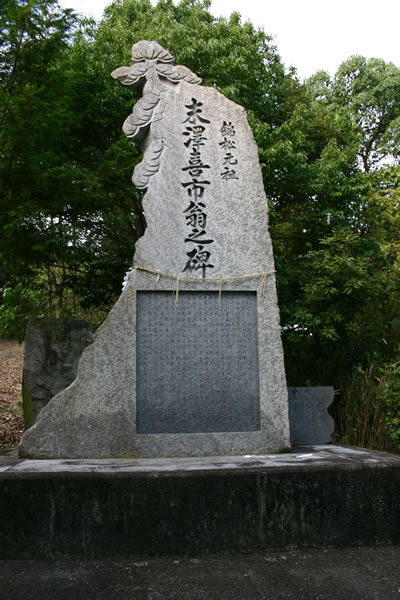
[
  {"x": 310, "y": 422},
  {"x": 197, "y": 364}
]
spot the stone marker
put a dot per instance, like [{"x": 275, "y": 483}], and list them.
[
  {"x": 189, "y": 361},
  {"x": 310, "y": 422},
  {"x": 51, "y": 355}
]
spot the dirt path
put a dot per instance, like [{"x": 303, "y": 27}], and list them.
[{"x": 11, "y": 419}]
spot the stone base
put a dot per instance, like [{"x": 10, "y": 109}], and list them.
[{"x": 316, "y": 496}]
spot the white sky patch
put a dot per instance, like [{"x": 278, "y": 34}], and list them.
[{"x": 309, "y": 34}]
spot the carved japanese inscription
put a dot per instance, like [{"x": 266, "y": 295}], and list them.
[
  {"x": 195, "y": 213},
  {"x": 208, "y": 351},
  {"x": 228, "y": 145},
  {"x": 193, "y": 139}
]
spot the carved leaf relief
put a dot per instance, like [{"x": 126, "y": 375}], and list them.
[
  {"x": 150, "y": 51},
  {"x": 165, "y": 69},
  {"x": 130, "y": 76},
  {"x": 141, "y": 116},
  {"x": 178, "y": 73},
  {"x": 149, "y": 166},
  {"x": 152, "y": 63}
]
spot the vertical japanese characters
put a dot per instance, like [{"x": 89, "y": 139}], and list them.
[
  {"x": 228, "y": 145},
  {"x": 195, "y": 184}
]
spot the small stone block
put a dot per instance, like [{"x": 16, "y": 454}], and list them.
[
  {"x": 310, "y": 422},
  {"x": 52, "y": 351}
]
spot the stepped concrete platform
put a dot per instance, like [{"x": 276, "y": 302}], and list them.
[{"x": 316, "y": 496}]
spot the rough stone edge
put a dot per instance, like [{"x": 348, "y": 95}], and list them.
[{"x": 32, "y": 444}]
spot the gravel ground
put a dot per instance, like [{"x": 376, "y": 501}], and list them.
[
  {"x": 11, "y": 418},
  {"x": 310, "y": 574}
]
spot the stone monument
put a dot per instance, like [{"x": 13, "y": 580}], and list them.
[{"x": 189, "y": 361}]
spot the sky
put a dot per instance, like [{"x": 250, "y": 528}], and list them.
[{"x": 309, "y": 34}]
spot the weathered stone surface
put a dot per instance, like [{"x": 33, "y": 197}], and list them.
[
  {"x": 52, "y": 351},
  {"x": 310, "y": 422},
  {"x": 207, "y": 231}
]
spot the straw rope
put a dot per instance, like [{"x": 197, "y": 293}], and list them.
[{"x": 221, "y": 280}]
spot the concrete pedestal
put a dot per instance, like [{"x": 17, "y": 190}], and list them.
[{"x": 317, "y": 496}]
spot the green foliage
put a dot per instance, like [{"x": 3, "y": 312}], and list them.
[
  {"x": 20, "y": 302},
  {"x": 388, "y": 394},
  {"x": 335, "y": 223},
  {"x": 367, "y": 413},
  {"x": 33, "y": 41},
  {"x": 240, "y": 61},
  {"x": 25, "y": 298},
  {"x": 61, "y": 210},
  {"x": 370, "y": 89}
]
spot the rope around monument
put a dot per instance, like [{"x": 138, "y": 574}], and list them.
[{"x": 221, "y": 280}]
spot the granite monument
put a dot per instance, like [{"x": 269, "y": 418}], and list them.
[{"x": 189, "y": 361}]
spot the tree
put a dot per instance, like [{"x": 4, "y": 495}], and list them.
[
  {"x": 61, "y": 232},
  {"x": 34, "y": 36},
  {"x": 331, "y": 255},
  {"x": 371, "y": 91}
]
